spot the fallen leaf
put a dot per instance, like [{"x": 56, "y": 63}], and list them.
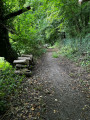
[
  {"x": 54, "y": 111},
  {"x": 56, "y": 100},
  {"x": 38, "y": 114},
  {"x": 29, "y": 115},
  {"x": 32, "y": 109}
]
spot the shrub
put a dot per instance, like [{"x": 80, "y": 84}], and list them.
[
  {"x": 3, "y": 64},
  {"x": 9, "y": 82}
]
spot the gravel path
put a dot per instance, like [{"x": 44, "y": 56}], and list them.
[{"x": 63, "y": 100}]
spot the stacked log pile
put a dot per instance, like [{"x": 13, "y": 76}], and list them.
[{"x": 24, "y": 65}]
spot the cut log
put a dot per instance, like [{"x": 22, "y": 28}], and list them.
[
  {"x": 19, "y": 66},
  {"x": 23, "y": 72},
  {"x": 29, "y": 56},
  {"x": 24, "y": 58},
  {"x": 24, "y": 65},
  {"x": 24, "y": 62},
  {"x": 23, "y": 55}
]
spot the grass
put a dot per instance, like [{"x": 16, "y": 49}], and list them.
[
  {"x": 56, "y": 45},
  {"x": 55, "y": 55}
]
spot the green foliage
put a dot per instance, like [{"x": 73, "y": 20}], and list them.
[
  {"x": 9, "y": 83},
  {"x": 28, "y": 38},
  {"x": 55, "y": 55},
  {"x": 77, "y": 50},
  {"x": 13, "y": 5},
  {"x": 56, "y": 45},
  {"x": 66, "y": 51},
  {"x": 4, "y": 64},
  {"x": 45, "y": 22}
]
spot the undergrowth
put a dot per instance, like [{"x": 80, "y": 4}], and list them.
[
  {"x": 55, "y": 55},
  {"x": 9, "y": 84},
  {"x": 3, "y": 64},
  {"x": 76, "y": 49}
]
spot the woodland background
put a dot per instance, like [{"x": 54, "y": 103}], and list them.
[{"x": 59, "y": 23}]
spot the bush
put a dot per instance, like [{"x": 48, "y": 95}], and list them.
[
  {"x": 9, "y": 82},
  {"x": 3, "y": 64}
]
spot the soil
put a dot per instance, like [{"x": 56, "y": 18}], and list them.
[{"x": 56, "y": 91}]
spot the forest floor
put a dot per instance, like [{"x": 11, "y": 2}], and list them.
[{"x": 56, "y": 91}]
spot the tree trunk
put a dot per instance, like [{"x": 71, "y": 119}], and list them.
[{"x": 5, "y": 47}]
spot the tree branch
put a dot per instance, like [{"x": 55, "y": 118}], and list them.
[
  {"x": 16, "y": 13},
  {"x": 9, "y": 29}
]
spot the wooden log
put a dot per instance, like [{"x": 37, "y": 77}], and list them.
[
  {"x": 24, "y": 62},
  {"x": 31, "y": 58},
  {"x": 21, "y": 58},
  {"x": 24, "y": 58},
  {"x": 23, "y": 72},
  {"x": 23, "y": 55},
  {"x": 31, "y": 62},
  {"x": 20, "y": 66}
]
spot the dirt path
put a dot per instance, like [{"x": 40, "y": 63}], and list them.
[
  {"x": 63, "y": 100},
  {"x": 50, "y": 94}
]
